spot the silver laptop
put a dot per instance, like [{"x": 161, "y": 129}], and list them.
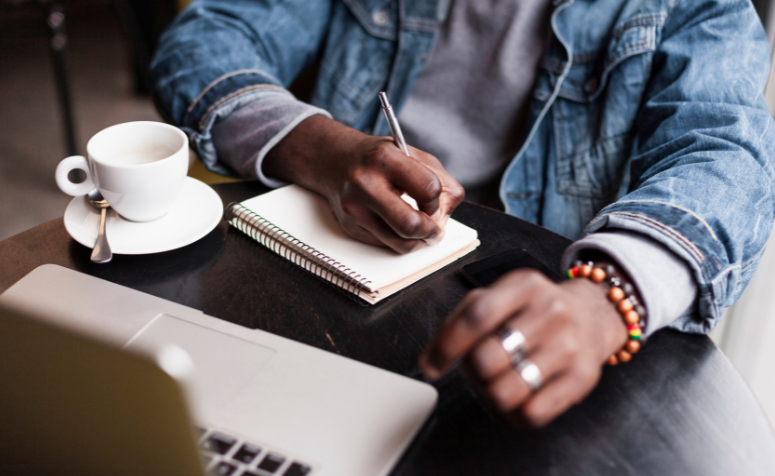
[{"x": 262, "y": 404}]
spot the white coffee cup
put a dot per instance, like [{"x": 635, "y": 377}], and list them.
[{"x": 139, "y": 167}]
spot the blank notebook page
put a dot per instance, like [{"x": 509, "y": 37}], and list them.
[{"x": 307, "y": 217}]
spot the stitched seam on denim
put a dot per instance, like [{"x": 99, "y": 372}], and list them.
[
  {"x": 648, "y": 19},
  {"x": 226, "y": 76},
  {"x": 237, "y": 93},
  {"x": 553, "y": 64},
  {"x": 563, "y": 169},
  {"x": 752, "y": 261},
  {"x": 364, "y": 18},
  {"x": 593, "y": 190},
  {"x": 587, "y": 56},
  {"x": 361, "y": 94},
  {"x": 747, "y": 265},
  {"x": 628, "y": 53},
  {"x": 340, "y": 79},
  {"x": 544, "y": 110},
  {"x": 670, "y": 231},
  {"x": 710, "y": 230},
  {"x": 568, "y": 94},
  {"x": 724, "y": 274},
  {"x": 420, "y": 24}
]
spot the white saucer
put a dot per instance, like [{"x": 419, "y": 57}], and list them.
[{"x": 196, "y": 212}]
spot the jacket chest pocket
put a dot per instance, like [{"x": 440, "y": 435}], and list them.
[
  {"x": 595, "y": 112},
  {"x": 357, "y": 57}
]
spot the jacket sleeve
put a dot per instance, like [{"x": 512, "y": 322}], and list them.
[
  {"x": 219, "y": 55},
  {"x": 702, "y": 165}
]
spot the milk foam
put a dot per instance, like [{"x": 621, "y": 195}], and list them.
[{"x": 148, "y": 154}]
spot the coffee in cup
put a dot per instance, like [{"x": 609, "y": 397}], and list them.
[{"x": 139, "y": 168}]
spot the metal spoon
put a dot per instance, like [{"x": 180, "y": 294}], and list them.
[{"x": 101, "y": 252}]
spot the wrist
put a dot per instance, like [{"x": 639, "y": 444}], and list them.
[
  {"x": 311, "y": 152},
  {"x": 621, "y": 292},
  {"x": 609, "y": 329}
]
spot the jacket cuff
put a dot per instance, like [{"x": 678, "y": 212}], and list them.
[
  {"x": 692, "y": 239},
  {"x": 664, "y": 281}
]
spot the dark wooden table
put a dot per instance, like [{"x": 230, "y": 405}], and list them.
[{"x": 678, "y": 408}]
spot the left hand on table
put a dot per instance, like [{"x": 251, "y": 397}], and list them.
[{"x": 570, "y": 330}]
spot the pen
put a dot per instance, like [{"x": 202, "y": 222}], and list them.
[
  {"x": 395, "y": 129},
  {"x": 398, "y": 137}
]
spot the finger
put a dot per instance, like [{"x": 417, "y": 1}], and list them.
[
  {"x": 374, "y": 226},
  {"x": 488, "y": 360},
  {"x": 508, "y": 391},
  {"x": 553, "y": 358},
  {"x": 480, "y": 313},
  {"x": 452, "y": 193},
  {"x": 547, "y": 342},
  {"x": 560, "y": 394},
  {"x": 404, "y": 220},
  {"x": 352, "y": 228},
  {"x": 418, "y": 181}
]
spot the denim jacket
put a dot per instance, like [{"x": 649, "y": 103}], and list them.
[{"x": 647, "y": 115}]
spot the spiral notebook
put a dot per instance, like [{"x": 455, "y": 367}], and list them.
[{"x": 299, "y": 226}]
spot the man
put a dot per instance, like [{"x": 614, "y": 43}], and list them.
[{"x": 637, "y": 124}]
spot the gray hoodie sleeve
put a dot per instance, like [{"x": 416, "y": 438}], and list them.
[
  {"x": 664, "y": 281},
  {"x": 247, "y": 134}
]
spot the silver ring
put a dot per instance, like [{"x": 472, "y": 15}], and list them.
[
  {"x": 531, "y": 374},
  {"x": 513, "y": 342}
]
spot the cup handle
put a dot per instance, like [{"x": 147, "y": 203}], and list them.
[{"x": 63, "y": 170}]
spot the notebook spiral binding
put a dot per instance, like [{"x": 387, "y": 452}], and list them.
[{"x": 294, "y": 250}]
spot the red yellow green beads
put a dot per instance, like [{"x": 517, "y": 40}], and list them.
[{"x": 621, "y": 295}]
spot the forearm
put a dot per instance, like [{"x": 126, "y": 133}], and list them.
[{"x": 316, "y": 148}]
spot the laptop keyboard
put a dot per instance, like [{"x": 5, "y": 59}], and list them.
[{"x": 230, "y": 456}]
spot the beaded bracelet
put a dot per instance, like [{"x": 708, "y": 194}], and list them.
[{"x": 622, "y": 294}]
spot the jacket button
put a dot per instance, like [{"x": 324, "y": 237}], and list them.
[
  {"x": 591, "y": 85},
  {"x": 380, "y": 18}
]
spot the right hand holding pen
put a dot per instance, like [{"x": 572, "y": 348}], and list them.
[{"x": 363, "y": 178}]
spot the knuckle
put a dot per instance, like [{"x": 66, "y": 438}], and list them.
[
  {"x": 379, "y": 155},
  {"x": 533, "y": 278},
  {"x": 361, "y": 181},
  {"x": 570, "y": 345},
  {"x": 411, "y": 226},
  {"x": 478, "y": 312},
  {"x": 356, "y": 177},
  {"x": 432, "y": 187},
  {"x": 558, "y": 309},
  {"x": 350, "y": 206},
  {"x": 458, "y": 193}
]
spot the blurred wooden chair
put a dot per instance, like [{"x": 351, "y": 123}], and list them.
[{"x": 55, "y": 19}]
